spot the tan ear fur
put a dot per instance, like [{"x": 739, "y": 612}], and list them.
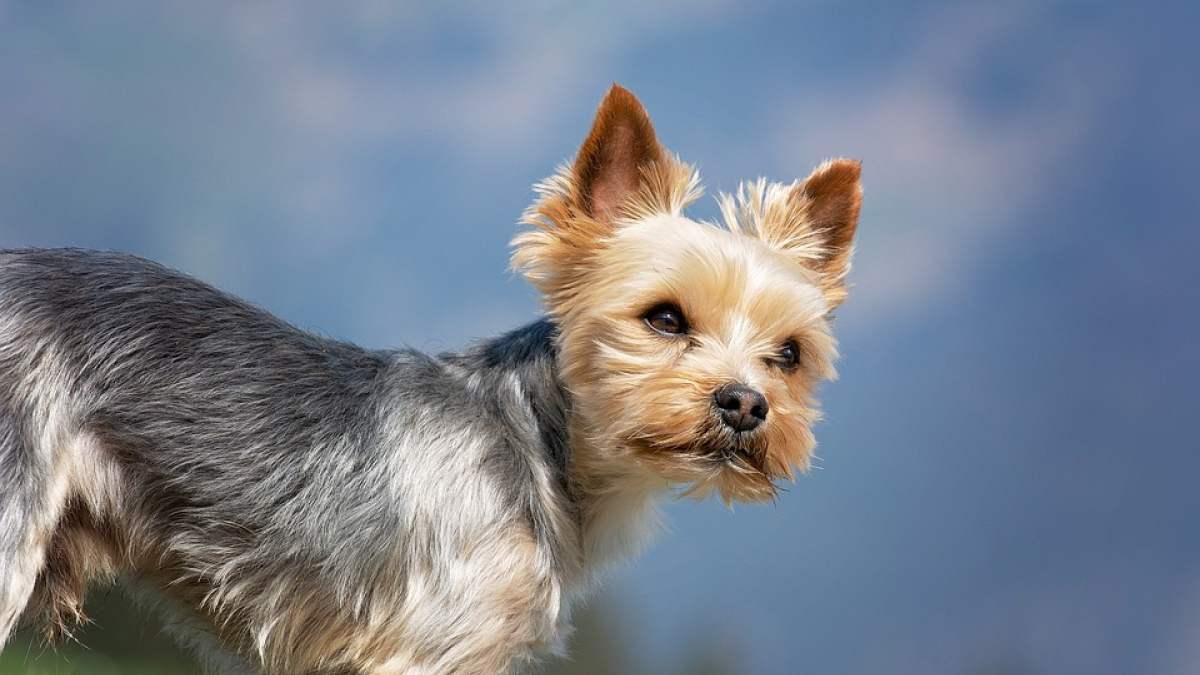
[
  {"x": 831, "y": 198},
  {"x": 834, "y": 196},
  {"x": 609, "y": 166},
  {"x": 812, "y": 222}
]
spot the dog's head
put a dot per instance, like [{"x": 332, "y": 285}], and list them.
[{"x": 692, "y": 351}]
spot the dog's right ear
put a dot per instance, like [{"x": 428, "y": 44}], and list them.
[{"x": 612, "y": 162}]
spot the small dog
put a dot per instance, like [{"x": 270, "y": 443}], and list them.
[{"x": 300, "y": 505}]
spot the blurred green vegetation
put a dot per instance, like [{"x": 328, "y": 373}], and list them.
[{"x": 123, "y": 640}]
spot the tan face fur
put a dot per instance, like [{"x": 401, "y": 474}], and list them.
[{"x": 611, "y": 246}]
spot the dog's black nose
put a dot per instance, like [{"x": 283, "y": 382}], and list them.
[{"x": 742, "y": 408}]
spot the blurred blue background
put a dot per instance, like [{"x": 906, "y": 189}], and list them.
[{"x": 1010, "y": 474}]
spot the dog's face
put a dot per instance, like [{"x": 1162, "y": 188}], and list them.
[{"x": 692, "y": 351}]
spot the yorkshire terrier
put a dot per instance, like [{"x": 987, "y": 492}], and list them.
[{"x": 299, "y": 505}]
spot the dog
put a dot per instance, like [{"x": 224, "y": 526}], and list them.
[{"x": 300, "y": 505}]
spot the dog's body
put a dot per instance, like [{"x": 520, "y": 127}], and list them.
[
  {"x": 326, "y": 491},
  {"x": 307, "y": 506}
]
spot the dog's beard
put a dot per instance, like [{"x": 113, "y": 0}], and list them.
[{"x": 711, "y": 459}]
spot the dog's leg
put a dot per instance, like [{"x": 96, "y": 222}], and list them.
[
  {"x": 40, "y": 472},
  {"x": 33, "y": 491}
]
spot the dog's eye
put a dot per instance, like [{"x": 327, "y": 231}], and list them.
[
  {"x": 666, "y": 319},
  {"x": 789, "y": 355}
]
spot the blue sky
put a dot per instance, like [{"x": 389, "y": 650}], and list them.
[{"x": 1009, "y": 465}]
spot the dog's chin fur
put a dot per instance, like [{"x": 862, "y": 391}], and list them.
[
  {"x": 716, "y": 462},
  {"x": 313, "y": 507}
]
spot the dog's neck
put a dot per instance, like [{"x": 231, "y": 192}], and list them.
[
  {"x": 618, "y": 503},
  {"x": 614, "y": 504}
]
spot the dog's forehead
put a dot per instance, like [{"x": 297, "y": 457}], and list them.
[{"x": 716, "y": 272}]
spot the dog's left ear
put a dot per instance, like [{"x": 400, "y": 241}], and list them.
[{"x": 830, "y": 199}]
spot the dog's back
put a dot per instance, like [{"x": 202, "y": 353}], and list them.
[{"x": 110, "y": 366}]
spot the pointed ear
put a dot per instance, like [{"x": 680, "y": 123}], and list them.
[
  {"x": 831, "y": 198},
  {"x": 620, "y": 172},
  {"x": 609, "y": 166}
]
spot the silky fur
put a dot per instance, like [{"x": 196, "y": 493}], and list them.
[{"x": 300, "y": 505}]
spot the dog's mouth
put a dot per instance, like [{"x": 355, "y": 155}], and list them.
[
  {"x": 712, "y": 448},
  {"x": 711, "y": 456},
  {"x": 725, "y": 447},
  {"x": 733, "y": 467},
  {"x": 734, "y": 454}
]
